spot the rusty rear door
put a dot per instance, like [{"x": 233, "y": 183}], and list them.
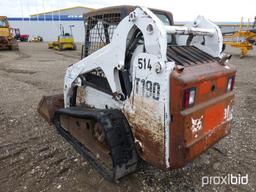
[{"x": 197, "y": 123}]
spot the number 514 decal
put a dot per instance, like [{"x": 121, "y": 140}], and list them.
[
  {"x": 147, "y": 88},
  {"x": 143, "y": 63}
]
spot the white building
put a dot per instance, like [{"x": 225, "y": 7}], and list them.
[{"x": 47, "y": 24}]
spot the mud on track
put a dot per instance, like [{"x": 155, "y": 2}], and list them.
[{"x": 33, "y": 157}]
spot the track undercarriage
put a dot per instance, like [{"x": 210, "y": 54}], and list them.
[{"x": 103, "y": 137}]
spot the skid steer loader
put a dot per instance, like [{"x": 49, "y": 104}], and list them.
[{"x": 144, "y": 89}]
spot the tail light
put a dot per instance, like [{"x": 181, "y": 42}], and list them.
[
  {"x": 189, "y": 97},
  {"x": 231, "y": 82}
]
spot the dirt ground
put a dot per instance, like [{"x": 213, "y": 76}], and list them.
[{"x": 33, "y": 157}]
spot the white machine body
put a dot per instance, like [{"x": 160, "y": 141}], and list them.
[{"x": 149, "y": 72}]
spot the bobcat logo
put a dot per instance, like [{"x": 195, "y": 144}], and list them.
[{"x": 196, "y": 124}]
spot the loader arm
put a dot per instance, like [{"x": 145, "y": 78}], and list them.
[{"x": 155, "y": 42}]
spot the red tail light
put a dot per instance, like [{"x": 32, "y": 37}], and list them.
[
  {"x": 189, "y": 97},
  {"x": 231, "y": 82}
]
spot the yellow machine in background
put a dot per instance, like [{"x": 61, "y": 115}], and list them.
[
  {"x": 243, "y": 39},
  {"x": 36, "y": 39},
  {"x": 7, "y": 39},
  {"x": 65, "y": 41}
]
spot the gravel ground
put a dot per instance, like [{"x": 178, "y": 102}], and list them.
[{"x": 33, "y": 157}]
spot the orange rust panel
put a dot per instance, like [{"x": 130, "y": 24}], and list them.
[
  {"x": 207, "y": 141},
  {"x": 205, "y": 87},
  {"x": 187, "y": 140},
  {"x": 222, "y": 82},
  {"x": 213, "y": 117}
]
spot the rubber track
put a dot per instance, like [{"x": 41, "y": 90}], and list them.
[{"x": 119, "y": 138}]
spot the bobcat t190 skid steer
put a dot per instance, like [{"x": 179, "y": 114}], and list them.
[{"x": 144, "y": 89}]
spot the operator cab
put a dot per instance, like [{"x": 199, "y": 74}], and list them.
[
  {"x": 100, "y": 26},
  {"x": 3, "y": 22}
]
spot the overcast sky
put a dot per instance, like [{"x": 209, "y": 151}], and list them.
[{"x": 187, "y": 10}]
